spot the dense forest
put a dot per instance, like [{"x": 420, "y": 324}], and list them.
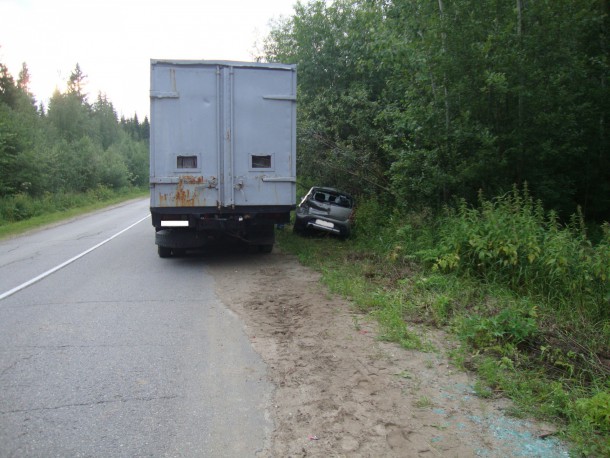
[
  {"x": 420, "y": 101},
  {"x": 72, "y": 146}
]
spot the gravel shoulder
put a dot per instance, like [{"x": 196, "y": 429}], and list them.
[{"x": 339, "y": 391}]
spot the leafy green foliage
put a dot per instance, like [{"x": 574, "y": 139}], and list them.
[
  {"x": 421, "y": 101},
  {"x": 512, "y": 240},
  {"x": 73, "y": 147},
  {"x": 596, "y": 410},
  {"x": 510, "y": 326}
]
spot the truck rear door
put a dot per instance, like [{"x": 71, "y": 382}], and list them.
[
  {"x": 263, "y": 136},
  {"x": 223, "y": 135},
  {"x": 184, "y": 130}
]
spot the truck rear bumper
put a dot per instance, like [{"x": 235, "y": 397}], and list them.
[
  {"x": 180, "y": 228},
  {"x": 212, "y": 218}
]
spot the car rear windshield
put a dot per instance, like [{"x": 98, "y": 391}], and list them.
[{"x": 333, "y": 198}]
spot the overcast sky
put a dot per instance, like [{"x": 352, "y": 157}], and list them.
[{"x": 114, "y": 40}]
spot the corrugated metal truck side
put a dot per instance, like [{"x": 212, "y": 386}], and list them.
[{"x": 222, "y": 152}]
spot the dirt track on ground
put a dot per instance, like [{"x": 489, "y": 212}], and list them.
[{"x": 342, "y": 392}]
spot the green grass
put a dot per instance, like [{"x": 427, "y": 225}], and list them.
[
  {"x": 52, "y": 209},
  {"x": 424, "y": 402},
  {"x": 544, "y": 345}
]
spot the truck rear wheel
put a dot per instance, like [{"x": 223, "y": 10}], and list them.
[
  {"x": 164, "y": 252},
  {"x": 261, "y": 237},
  {"x": 265, "y": 248}
]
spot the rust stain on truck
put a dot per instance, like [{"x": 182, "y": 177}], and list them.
[
  {"x": 184, "y": 197},
  {"x": 190, "y": 179},
  {"x": 188, "y": 191}
]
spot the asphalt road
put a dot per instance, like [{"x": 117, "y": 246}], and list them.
[{"x": 119, "y": 352}]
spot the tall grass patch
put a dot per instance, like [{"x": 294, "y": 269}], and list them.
[{"x": 511, "y": 240}]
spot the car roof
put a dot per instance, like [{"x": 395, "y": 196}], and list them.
[{"x": 326, "y": 189}]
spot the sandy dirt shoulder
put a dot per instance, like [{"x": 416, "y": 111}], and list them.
[{"x": 339, "y": 391}]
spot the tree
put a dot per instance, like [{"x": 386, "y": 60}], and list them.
[
  {"x": 77, "y": 82},
  {"x": 340, "y": 85},
  {"x": 14, "y": 132},
  {"x": 10, "y": 147},
  {"x": 23, "y": 82},
  {"x": 105, "y": 118},
  {"x": 145, "y": 129},
  {"x": 70, "y": 116},
  {"x": 8, "y": 88}
]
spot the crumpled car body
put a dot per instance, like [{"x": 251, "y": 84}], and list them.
[{"x": 326, "y": 210}]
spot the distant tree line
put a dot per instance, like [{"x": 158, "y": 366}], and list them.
[
  {"x": 71, "y": 146},
  {"x": 419, "y": 101}
]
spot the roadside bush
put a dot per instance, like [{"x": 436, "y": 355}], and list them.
[
  {"x": 375, "y": 224},
  {"x": 596, "y": 410},
  {"x": 512, "y": 325},
  {"x": 398, "y": 235},
  {"x": 512, "y": 241},
  {"x": 21, "y": 207},
  {"x": 16, "y": 208},
  {"x": 113, "y": 170}
]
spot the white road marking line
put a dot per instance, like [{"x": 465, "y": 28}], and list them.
[{"x": 64, "y": 264}]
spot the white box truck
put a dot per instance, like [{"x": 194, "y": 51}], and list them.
[{"x": 222, "y": 152}]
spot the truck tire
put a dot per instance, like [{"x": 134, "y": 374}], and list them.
[
  {"x": 261, "y": 237},
  {"x": 179, "y": 240},
  {"x": 164, "y": 252},
  {"x": 265, "y": 248}
]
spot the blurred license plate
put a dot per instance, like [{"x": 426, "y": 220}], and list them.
[{"x": 323, "y": 223}]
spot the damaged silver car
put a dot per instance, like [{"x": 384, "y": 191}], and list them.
[{"x": 327, "y": 210}]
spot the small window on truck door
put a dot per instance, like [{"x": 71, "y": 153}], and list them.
[
  {"x": 187, "y": 162},
  {"x": 261, "y": 161}
]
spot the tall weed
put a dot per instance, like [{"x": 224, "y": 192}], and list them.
[
  {"x": 513, "y": 241},
  {"x": 375, "y": 225}
]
